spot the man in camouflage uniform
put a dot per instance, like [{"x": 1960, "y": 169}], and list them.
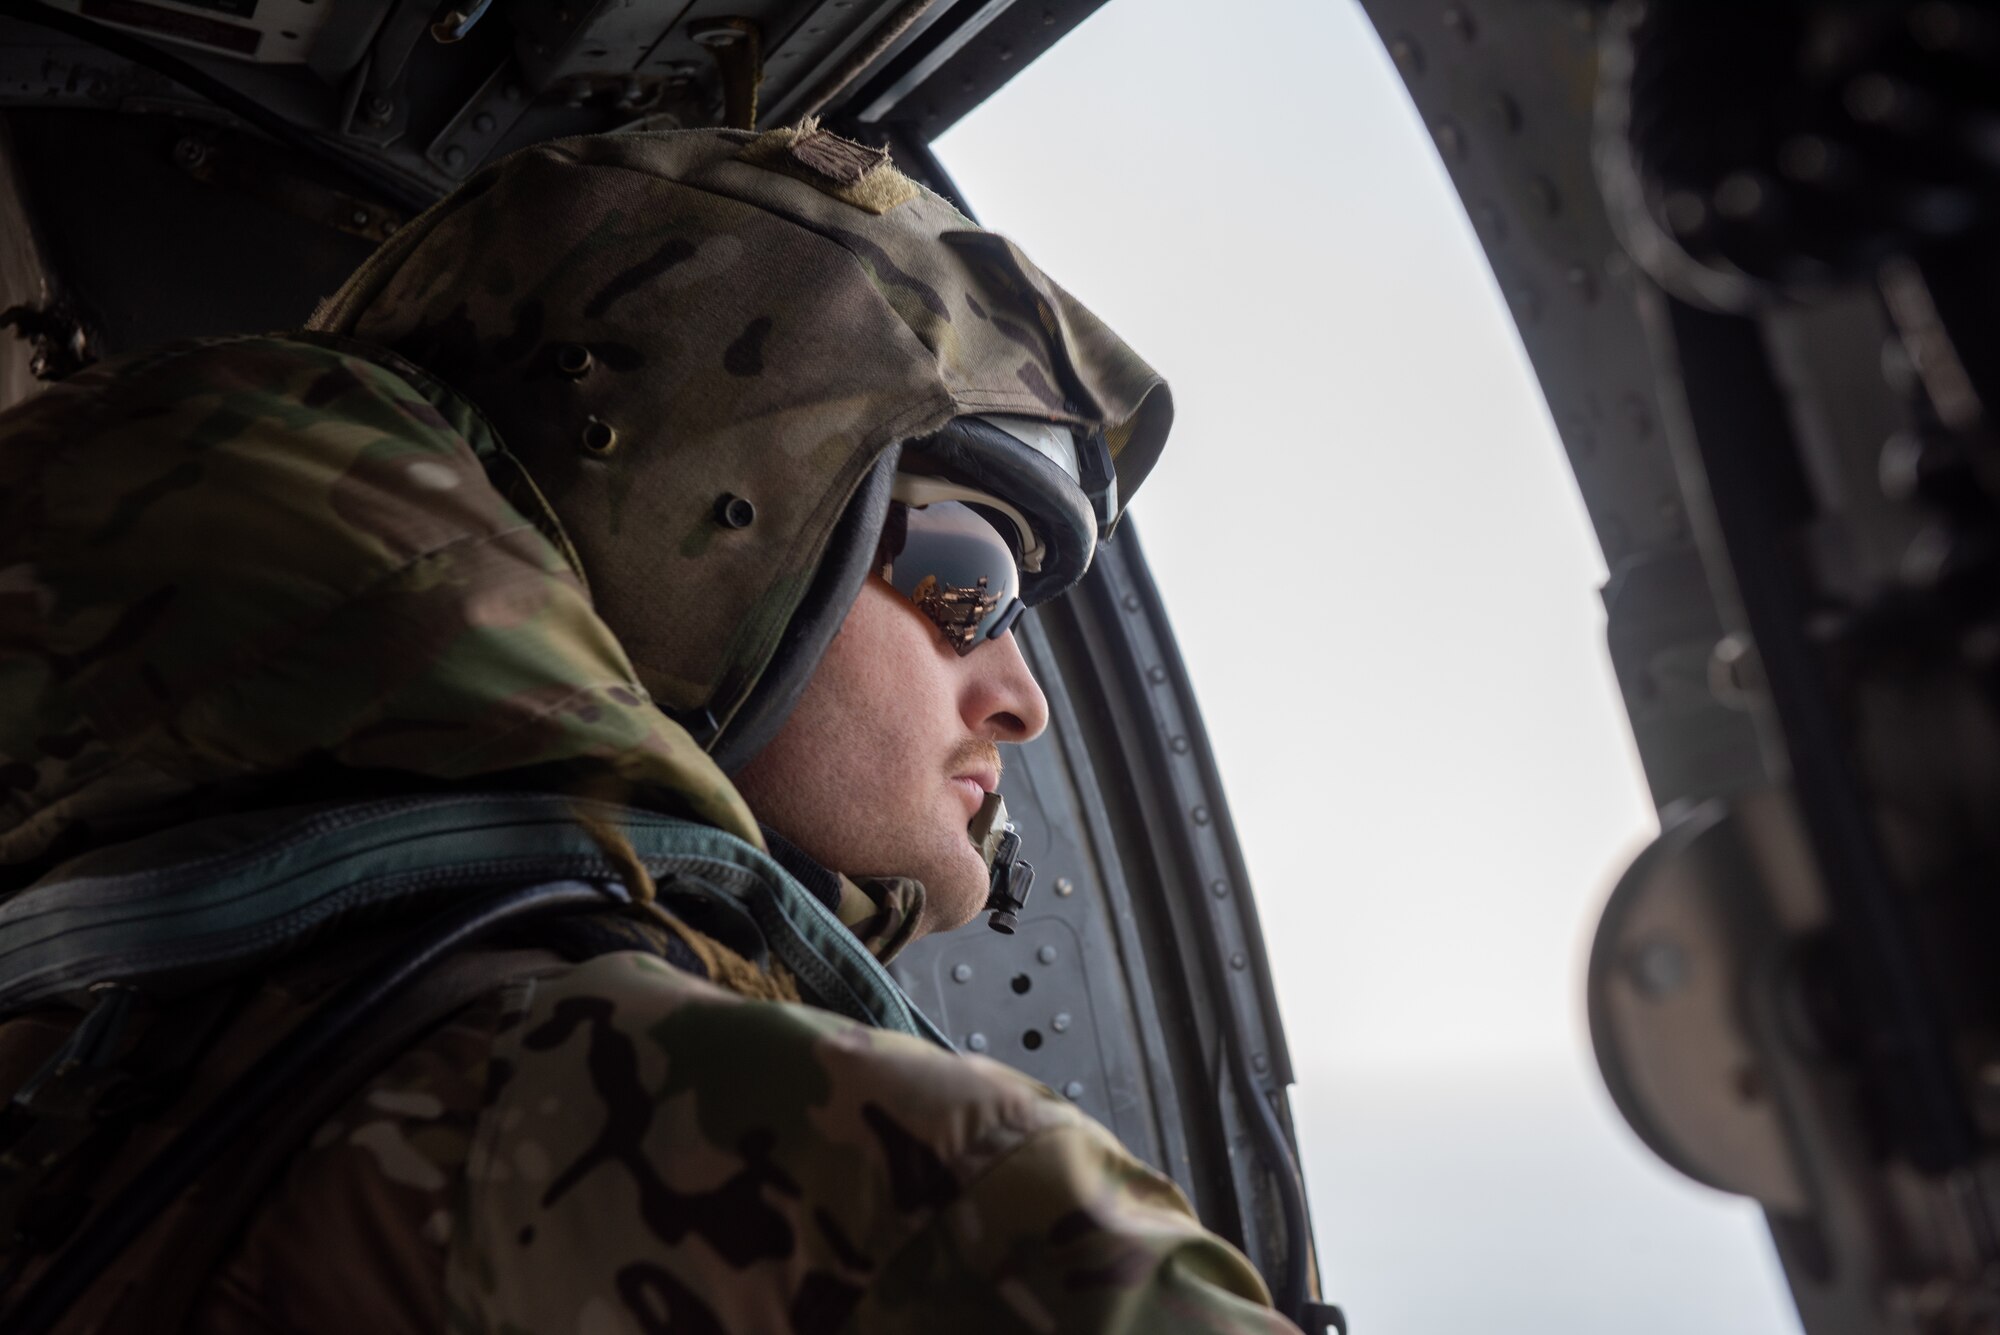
[{"x": 573, "y": 490}]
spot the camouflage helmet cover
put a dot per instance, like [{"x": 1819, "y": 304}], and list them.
[{"x": 660, "y": 324}]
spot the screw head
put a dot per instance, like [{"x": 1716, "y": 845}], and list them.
[
  {"x": 1047, "y": 954},
  {"x": 977, "y": 1042},
  {"x": 733, "y": 511},
  {"x": 1660, "y": 968},
  {"x": 717, "y": 33},
  {"x": 1061, "y": 1023},
  {"x": 454, "y": 156},
  {"x": 483, "y": 122},
  {"x": 961, "y": 973},
  {"x": 360, "y": 218},
  {"x": 190, "y": 152},
  {"x": 1073, "y": 1090},
  {"x": 1065, "y": 887},
  {"x": 599, "y": 437},
  {"x": 379, "y": 108}
]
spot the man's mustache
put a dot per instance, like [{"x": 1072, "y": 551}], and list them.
[{"x": 976, "y": 754}]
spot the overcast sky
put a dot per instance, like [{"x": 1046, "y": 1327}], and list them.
[{"x": 1386, "y": 590}]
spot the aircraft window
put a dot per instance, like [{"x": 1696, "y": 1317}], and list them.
[{"x": 1385, "y": 589}]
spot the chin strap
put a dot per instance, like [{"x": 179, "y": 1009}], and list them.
[{"x": 1009, "y": 878}]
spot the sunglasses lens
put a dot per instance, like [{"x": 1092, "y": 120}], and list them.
[{"x": 956, "y": 567}]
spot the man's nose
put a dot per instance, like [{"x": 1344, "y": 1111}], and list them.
[{"x": 1001, "y": 699}]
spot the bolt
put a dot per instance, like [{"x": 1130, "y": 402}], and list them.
[
  {"x": 1870, "y": 98},
  {"x": 716, "y": 33},
  {"x": 483, "y": 122},
  {"x": 1409, "y": 57},
  {"x": 1685, "y": 212},
  {"x": 1450, "y": 139},
  {"x": 961, "y": 973},
  {"x": 1047, "y": 954},
  {"x": 1805, "y": 157},
  {"x": 454, "y": 156},
  {"x": 1065, "y": 887},
  {"x": 379, "y": 109},
  {"x": 1660, "y": 968},
  {"x": 1061, "y": 1023},
  {"x": 1073, "y": 1090},
  {"x": 733, "y": 511},
  {"x": 1740, "y": 195},
  {"x": 977, "y": 1042}
]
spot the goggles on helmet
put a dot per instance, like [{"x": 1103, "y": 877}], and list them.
[{"x": 955, "y": 553}]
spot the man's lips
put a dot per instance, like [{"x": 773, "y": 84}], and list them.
[{"x": 974, "y": 786}]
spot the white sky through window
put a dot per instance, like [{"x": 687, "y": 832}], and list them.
[{"x": 1386, "y": 592}]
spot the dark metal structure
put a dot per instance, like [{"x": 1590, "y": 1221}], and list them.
[
  {"x": 1751, "y": 252},
  {"x": 171, "y": 168}
]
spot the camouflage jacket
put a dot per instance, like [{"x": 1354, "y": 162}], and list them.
[{"x": 303, "y": 582}]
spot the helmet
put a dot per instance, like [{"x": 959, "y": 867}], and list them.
[{"x": 711, "y": 352}]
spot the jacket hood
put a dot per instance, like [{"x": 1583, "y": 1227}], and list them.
[
  {"x": 228, "y": 565},
  {"x": 706, "y": 348}
]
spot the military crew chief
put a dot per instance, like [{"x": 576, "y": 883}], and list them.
[{"x": 389, "y": 942}]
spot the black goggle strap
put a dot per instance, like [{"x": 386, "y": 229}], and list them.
[{"x": 1082, "y": 453}]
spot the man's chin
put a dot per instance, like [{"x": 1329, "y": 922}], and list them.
[{"x": 954, "y": 891}]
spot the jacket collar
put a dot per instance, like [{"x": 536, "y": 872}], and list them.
[{"x": 881, "y": 911}]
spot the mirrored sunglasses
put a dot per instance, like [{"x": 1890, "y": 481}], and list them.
[{"x": 958, "y": 564}]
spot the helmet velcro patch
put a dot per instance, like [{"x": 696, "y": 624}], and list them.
[{"x": 852, "y": 173}]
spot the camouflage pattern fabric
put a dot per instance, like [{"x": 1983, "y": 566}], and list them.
[
  {"x": 657, "y": 321},
  {"x": 240, "y": 573},
  {"x": 625, "y": 1148},
  {"x": 302, "y": 564}
]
